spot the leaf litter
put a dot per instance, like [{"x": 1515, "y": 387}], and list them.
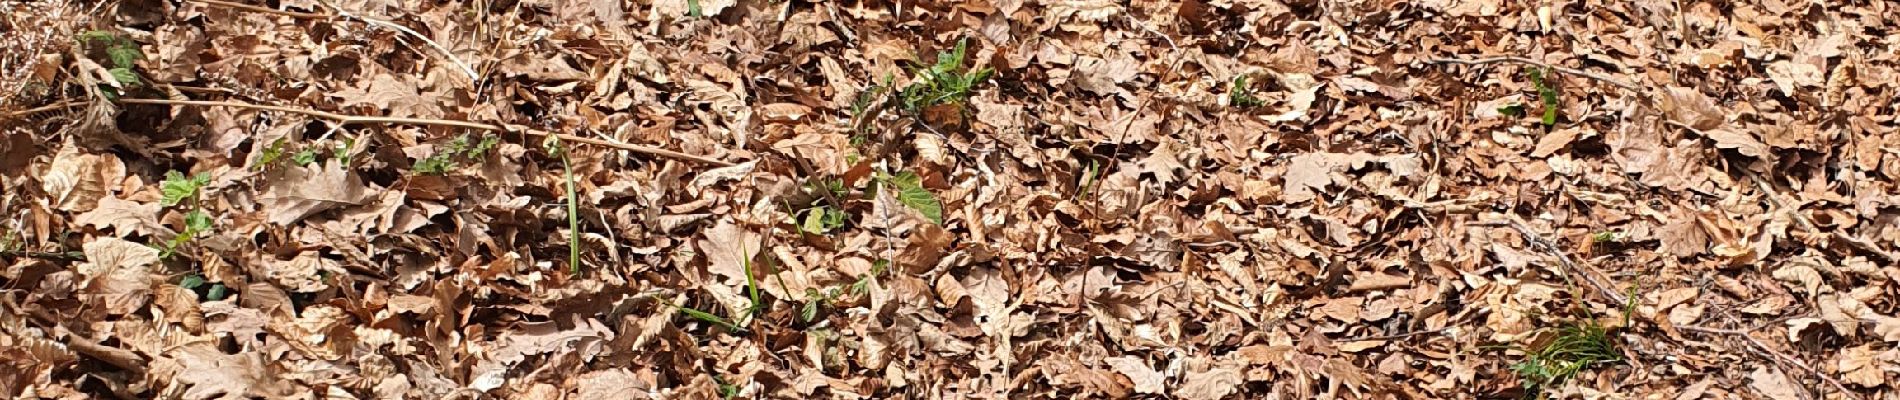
[{"x": 1005, "y": 199}]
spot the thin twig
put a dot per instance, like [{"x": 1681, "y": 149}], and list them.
[
  {"x": 1570, "y": 265},
  {"x": 40, "y": 109},
  {"x": 1521, "y": 60},
  {"x": 345, "y": 119},
  {"x": 72, "y": 256}
]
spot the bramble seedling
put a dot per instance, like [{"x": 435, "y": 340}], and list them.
[
  {"x": 451, "y": 155},
  {"x": 1546, "y": 93},
  {"x": 179, "y": 189},
  {"x": 121, "y": 56},
  {"x": 946, "y": 82},
  {"x": 911, "y": 192},
  {"x": 1239, "y": 94}
]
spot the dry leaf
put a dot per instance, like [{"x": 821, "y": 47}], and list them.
[
  {"x": 120, "y": 273},
  {"x": 1774, "y": 385},
  {"x": 301, "y": 191},
  {"x": 1864, "y": 366},
  {"x": 1146, "y": 379}
]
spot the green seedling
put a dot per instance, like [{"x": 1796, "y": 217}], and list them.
[
  {"x": 450, "y": 156},
  {"x": 214, "y": 292},
  {"x": 1239, "y": 94},
  {"x": 122, "y": 55},
  {"x": 1546, "y": 93},
  {"x": 815, "y": 298},
  {"x": 1604, "y": 237},
  {"x": 946, "y": 82},
  {"x": 911, "y": 192},
  {"x": 1089, "y": 174},
  {"x": 179, "y": 189},
  {"x": 1578, "y": 346}
]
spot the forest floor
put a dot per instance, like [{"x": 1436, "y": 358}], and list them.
[{"x": 1207, "y": 199}]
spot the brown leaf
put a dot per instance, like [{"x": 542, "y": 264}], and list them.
[
  {"x": 1690, "y": 107},
  {"x": 1774, "y": 385},
  {"x": 119, "y": 272},
  {"x": 1213, "y": 384},
  {"x": 125, "y": 218},
  {"x": 298, "y": 192},
  {"x": 1146, "y": 379},
  {"x": 1864, "y": 366},
  {"x": 77, "y": 180},
  {"x": 199, "y": 371},
  {"x": 729, "y": 249}
]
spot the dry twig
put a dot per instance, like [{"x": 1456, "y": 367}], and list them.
[
  {"x": 1571, "y": 266},
  {"x": 345, "y": 119}
]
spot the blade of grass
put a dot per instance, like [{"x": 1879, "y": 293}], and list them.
[
  {"x": 704, "y": 316},
  {"x": 751, "y": 285},
  {"x": 573, "y": 218}
]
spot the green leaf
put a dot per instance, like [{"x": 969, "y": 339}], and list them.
[
  {"x": 216, "y": 293},
  {"x": 191, "y": 282},
  {"x": 1513, "y": 110},
  {"x": 270, "y": 154},
  {"x": 1546, "y": 93},
  {"x": 197, "y": 221},
  {"x": 125, "y": 76},
  {"x": 176, "y": 187},
  {"x": 809, "y": 312},
  {"x": 124, "y": 55},
  {"x": 692, "y": 8},
  {"x": 708, "y": 317},
  {"x": 911, "y": 192},
  {"x": 574, "y": 220},
  {"x": 342, "y": 151},
  {"x": 304, "y": 157}
]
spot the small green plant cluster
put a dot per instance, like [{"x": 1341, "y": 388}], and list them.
[
  {"x": 453, "y": 154},
  {"x": 121, "y": 56},
  {"x": 1240, "y": 94},
  {"x": 1545, "y": 93},
  {"x": 275, "y": 152},
  {"x": 179, "y": 189},
  {"x": 815, "y": 298},
  {"x": 821, "y": 218},
  {"x": 211, "y": 292},
  {"x": 1578, "y": 346},
  {"x": 946, "y": 82}
]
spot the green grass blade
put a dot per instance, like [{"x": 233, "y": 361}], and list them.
[{"x": 573, "y": 219}]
